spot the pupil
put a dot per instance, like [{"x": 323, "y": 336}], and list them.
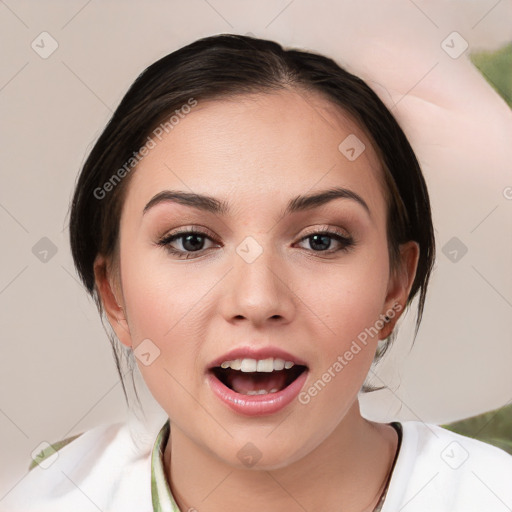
[
  {"x": 193, "y": 246},
  {"x": 325, "y": 241}
]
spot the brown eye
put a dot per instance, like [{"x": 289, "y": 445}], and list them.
[
  {"x": 185, "y": 243},
  {"x": 322, "y": 241}
]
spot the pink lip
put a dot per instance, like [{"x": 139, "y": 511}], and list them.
[
  {"x": 256, "y": 353},
  {"x": 257, "y": 405}
]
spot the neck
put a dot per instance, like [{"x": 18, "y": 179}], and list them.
[{"x": 347, "y": 471}]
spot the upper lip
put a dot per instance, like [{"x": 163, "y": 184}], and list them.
[{"x": 249, "y": 352}]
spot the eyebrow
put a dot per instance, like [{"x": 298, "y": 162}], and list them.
[{"x": 211, "y": 204}]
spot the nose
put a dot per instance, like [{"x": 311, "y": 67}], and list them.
[{"x": 257, "y": 288}]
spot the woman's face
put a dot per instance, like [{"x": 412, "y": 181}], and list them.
[{"x": 254, "y": 286}]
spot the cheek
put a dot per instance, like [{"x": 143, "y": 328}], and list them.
[
  {"x": 166, "y": 299},
  {"x": 159, "y": 294},
  {"x": 349, "y": 297},
  {"x": 169, "y": 303},
  {"x": 163, "y": 306}
]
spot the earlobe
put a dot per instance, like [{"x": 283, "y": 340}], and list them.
[
  {"x": 400, "y": 285},
  {"x": 111, "y": 305}
]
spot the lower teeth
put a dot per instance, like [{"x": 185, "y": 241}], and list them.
[{"x": 261, "y": 392}]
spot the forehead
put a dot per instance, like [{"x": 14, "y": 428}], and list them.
[{"x": 245, "y": 147}]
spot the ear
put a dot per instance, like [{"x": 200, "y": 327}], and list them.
[
  {"x": 110, "y": 294},
  {"x": 399, "y": 286}
]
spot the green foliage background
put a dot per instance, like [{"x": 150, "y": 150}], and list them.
[
  {"x": 494, "y": 427},
  {"x": 497, "y": 69}
]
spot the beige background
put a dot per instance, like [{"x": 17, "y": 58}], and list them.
[{"x": 57, "y": 375}]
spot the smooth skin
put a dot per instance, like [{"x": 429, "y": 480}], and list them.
[{"x": 256, "y": 152}]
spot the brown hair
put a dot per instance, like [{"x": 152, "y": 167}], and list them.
[{"x": 227, "y": 65}]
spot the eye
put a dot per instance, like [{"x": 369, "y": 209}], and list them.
[
  {"x": 321, "y": 241},
  {"x": 183, "y": 244},
  {"x": 191, "y": 241}
]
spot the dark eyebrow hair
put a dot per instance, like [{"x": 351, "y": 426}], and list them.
[{"x": 213, "y": 205}]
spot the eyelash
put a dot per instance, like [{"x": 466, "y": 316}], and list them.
[{"x": 347, "y": 242}]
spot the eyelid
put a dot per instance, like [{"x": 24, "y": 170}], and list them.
[
  {"x": 183, "y": 230},
  {"x": 346, "y": 240},
  {"x": 327, "y": 229},
  {"x": 202, "y": 230}
]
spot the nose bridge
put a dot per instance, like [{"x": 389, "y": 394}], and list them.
[{"x": 258, "y": 288}]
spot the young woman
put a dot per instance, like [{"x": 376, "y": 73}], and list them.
[{"x": 253, "y": 222}]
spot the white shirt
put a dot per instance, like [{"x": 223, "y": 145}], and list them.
[{"x": 118, "y": 468}]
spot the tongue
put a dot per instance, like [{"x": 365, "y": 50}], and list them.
[{"x": 242, "y": 382}]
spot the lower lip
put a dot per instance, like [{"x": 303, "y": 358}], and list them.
[{"x": 257, "y": 405}]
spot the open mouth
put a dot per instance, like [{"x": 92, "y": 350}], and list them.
[{"x": 257, "y": 376}]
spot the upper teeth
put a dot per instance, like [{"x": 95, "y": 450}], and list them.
[{"x": 258, "y": 365}]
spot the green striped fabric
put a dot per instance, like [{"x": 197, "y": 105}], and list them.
[{"x": 161, "y": 496}]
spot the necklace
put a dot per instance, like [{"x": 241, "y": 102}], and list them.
[
  {"x": 398, "y": 427},
  {"x": 165, "y": 433}
]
